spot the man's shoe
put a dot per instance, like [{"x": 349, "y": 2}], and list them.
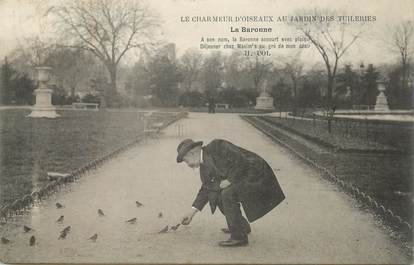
[
  {"x": 227, "y": 231},
  {"x": 234, "y": 243}
]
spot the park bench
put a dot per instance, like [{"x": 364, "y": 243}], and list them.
[
  {"x": 363, "y": 107},
  {"x": 52, "y": 176},
  {"x": 152, "y": 126},
  {"x": 85, "y": 106},
  {"x": 222, "y": 106}
]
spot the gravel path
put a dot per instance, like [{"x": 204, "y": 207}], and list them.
[{"x": 315, "y": 224}]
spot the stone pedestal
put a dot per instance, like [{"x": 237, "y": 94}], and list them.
[
  {"x": 264, "y": 101},
  {"x": 43, "y": 107},
  {"x": 381, "y": 103}
]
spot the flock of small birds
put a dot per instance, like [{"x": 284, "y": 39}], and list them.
[{"x": 93, "y": 238}]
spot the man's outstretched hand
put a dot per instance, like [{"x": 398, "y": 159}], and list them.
[{"x": 186, "y": 220}]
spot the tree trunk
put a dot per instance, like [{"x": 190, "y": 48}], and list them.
[
  {"x": 111, "y": 93},
  {"x": 112, "y": 76},
  {"x": 295, "y": 100},
  {"x": 404, "y": 77},
  {"x": 72, "y": 92},
  {"x": 329, "y": 100},
  {"x": 329, "y": 90}
]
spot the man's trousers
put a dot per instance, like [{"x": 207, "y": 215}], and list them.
[{"x": 229, "y": 205}]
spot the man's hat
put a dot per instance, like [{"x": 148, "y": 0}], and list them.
[{"x": 185, "y": 146}]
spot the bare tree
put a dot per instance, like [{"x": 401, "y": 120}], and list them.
[
  {"x": 107, "y": 28},
  {"x": 234, "y": 73},
  {"x": 212, "y": 71},
  {"x": 72, "y": 68},
  {"x": 190, "y": 64},
  {"x": 258, "y": 68},
  {"x": 399, "y": 40},
  {"x": 331, "y": 38},
  {"x": 35, "y": 51},
  {"x": 293, "y": 68}
]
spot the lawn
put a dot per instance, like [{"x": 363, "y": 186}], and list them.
[
  {"x": 32, "y": 147},
  {"x": 352, "y": 135},
  {"x": 384, "y": 176}
]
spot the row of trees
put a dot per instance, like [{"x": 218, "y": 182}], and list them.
[
  {"x": 93, "y": 37},
  {"x": 237, "y": 80},
  {"x": 194, "y": 77}
]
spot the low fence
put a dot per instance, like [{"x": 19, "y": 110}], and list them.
[
  {"x": 389, "y": 215},
  {"x": 19, "y": 206}
]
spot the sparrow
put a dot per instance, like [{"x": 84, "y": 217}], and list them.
[
  {"x": 160, "y": 215},
  {"x": 32, "y": 240},
  {"x": 60, "y": 219},
  {"x": 64, "y": 232},
  {"x": 138, "y": 204},
  {"x": 100, "y": 212},
  {"x": 94, "y": 237},
  {"x": 4, "y": 240},
  {"x": 58, "y": 205},
  {"x": 63, "y": 235},
  {"x": 164, "y": 230},
  {"x": 66, "y": 229},
  {"x": 27, "y": 229},
  {"x": 175, "y": 226},
  {"x": 132, "y": 221}
]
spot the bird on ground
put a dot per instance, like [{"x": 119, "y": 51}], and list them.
[
  {"x": 60, "y": 219},
  {"x": 175, "y": 226},
  {"x": 160, "y": 215},
  {"x": 58, "y": 205},
  {"x": 27, "y": 229},
  {"x": 132, "y": 221},
  {"x": 63, "y": 235},
  {"x": 32, "y": 241},
  {"x": 100, "y": 212},
  {"x": 64, "y": 232},
  {"x": 4, "y": 240},
  {"x": 138, "y": 204},
  {"x": 66, "y": 229},
  {"x": 164, "y": 230},
  {"x": 94, "y": 237}
]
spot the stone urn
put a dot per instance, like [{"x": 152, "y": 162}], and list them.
[{"x": 43, "y": 107}]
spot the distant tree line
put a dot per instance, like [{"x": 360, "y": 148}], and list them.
[
  {"x": 189, "y": 81},
  {"x": 94, "y": 37},
  {"x": 15, "y": 87}
]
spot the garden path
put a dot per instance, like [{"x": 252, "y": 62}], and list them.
[{"x": 315, "y": 224}]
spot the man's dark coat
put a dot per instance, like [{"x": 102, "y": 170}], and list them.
[{"x": 256, "y": 184}]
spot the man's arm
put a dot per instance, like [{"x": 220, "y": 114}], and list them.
[
  {"x": 198, "y": 204},
  {"x": 201, "y": 198}
]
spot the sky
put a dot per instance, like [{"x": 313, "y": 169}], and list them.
[{"x": 20, "y": 19}]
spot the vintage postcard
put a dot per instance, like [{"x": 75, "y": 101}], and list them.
[{"x": 206, "y": 132}]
